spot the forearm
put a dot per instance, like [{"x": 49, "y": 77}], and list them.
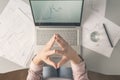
[
  {"x": 37, "y": 60},
  {"x": 35, "y": 72},
  {"x": 76, "y": 59},
  {"x": 79, "y": 69}
]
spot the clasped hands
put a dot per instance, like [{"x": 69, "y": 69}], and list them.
[{"x": 66, "y": 51}]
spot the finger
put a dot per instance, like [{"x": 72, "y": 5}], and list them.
[
  {"x": 60, "y": 44},
  {"x": 60, "y": 41},
  {"x": 51, "y": 42},
  {"x": 62, "y": 61},
  {"x": 60, "y": 38},
  {"x": 59, "y": 52},
  {"x": 50, "y": 62},
  {"x": 51, "y": 52}
]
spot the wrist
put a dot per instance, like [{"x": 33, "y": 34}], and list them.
[
  {"x": 76, "y": 59},
  {"x": 37, "y": 60}
]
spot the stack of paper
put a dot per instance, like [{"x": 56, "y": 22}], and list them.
[
  {"x": 95, "y": 24},
  {"x": 17, "y": 32}
]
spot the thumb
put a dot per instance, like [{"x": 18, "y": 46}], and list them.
[
  {"x": 51, "y": 52},
  {"x": 62, "y": 61},
  {"x": 50, "y": 62},
  {"x": 59, "y": 52}
]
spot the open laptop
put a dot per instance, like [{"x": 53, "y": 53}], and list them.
[{"x": 58, "y": 16}]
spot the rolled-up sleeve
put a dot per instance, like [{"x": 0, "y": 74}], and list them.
[
  {"x": 79, "y": 71},
  {"x": 35, "y": 72}
]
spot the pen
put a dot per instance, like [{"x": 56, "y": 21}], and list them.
[{"x": 107, "y": 35}]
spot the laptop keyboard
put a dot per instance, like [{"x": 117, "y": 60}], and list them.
[{"x": 43, "y": 36}]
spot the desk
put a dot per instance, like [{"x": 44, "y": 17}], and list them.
[{"x": 95, "y": 62}]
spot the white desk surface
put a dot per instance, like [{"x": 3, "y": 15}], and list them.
[{"x": 6, "y": 66}]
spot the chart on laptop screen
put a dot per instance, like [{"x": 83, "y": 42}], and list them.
[{"x": 57, "y": 11}]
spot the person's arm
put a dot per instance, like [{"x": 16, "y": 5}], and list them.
[
  {"x": 79, "y": 69},
  {"x": 36, "y": 66},
  {"x": 36, "y": 69},
  {"x": 68, "y": 53}
]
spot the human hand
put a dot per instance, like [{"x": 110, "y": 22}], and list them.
[
  {"x": 67, "y": 52},
  {"x": 44, "y": 54}
]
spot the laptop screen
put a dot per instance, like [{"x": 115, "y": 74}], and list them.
[{"x": 57, "y": 12}]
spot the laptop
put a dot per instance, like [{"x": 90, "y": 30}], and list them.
[{"x": 57, "y": 16}]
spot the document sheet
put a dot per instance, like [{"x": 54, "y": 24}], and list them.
[
  {"x": 95, "y": 37},
  {"x": 17, "y": 32}
]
